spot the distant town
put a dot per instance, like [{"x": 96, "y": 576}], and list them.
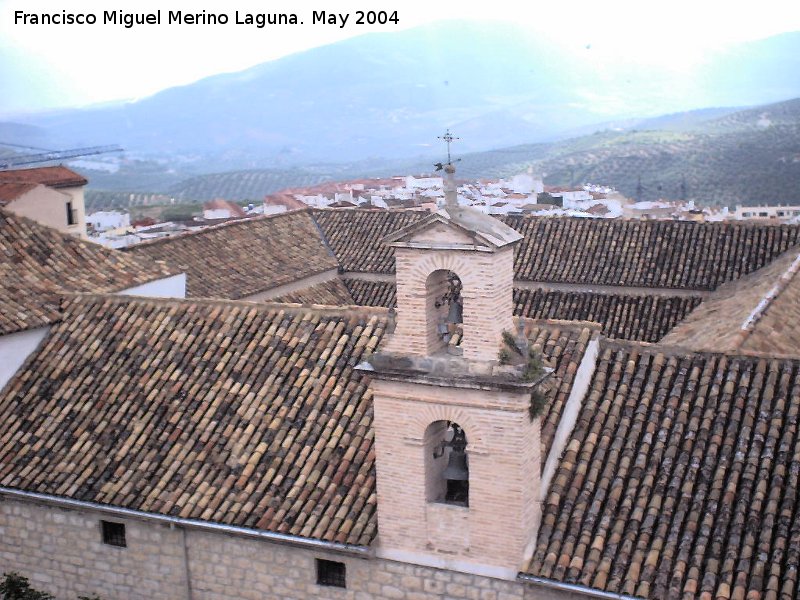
[{"x": 522, "y": 194}]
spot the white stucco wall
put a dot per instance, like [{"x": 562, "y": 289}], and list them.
[
  {"x": 15, "y": 348},
  {"x": 103, "y": 220},
  {"x": 48, "y": 206},
  {"x": 169, "y": 287},
  {"x": 216, "y": 213}
]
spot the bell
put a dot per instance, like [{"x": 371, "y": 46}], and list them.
[
  {"x": 457, "y": 467},
  {"x": 455, "y": 314}
]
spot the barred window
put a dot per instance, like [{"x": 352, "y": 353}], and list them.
[
  {"x": 113, "y": 533},
  {"x": 331, "y": 573}
]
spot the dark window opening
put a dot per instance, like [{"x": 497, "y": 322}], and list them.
[
  {"x": 72, "y": 215},
  {"x": 446, "y": 464},
  {"x": 456, "y": 474},
  {"x": 445, "y": 306},
  {"x": 113, "y": 533},
  {"x": 331, "y": 573},
  {"x": 457, "y": 492}
]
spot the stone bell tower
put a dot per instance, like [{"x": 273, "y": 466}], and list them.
[{"x": 457, "y": 451}]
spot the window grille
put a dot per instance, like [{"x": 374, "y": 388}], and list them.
[
  {"x": 331, "y": 573},
  {"x": 113, "y": 533}
]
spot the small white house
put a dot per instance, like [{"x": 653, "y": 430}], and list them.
[{"x": 108, "y": 219}]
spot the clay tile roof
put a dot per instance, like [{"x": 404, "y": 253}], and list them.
[
  {"x": 562, "y": 345},
  {"x": 662, "y": 254},
  {"x": 55, "y": 177},
  {"x": 630, "y": 317},
  {"x": 242, "y": 258},
  {"x": 285, "y": 200},
  {"x": 233, "y": 412},
  {"x": 355, "y": 236},
  {"x": 238, "y": 413},
  {"x": 38, "y": 264},
  {"x": 371, "y": 293},
  {"x": 679, "y": 480},
  {"x": 757, "y": 314},
  {"x": 332, "y": 292},
  {"x": 11, "y": 190},
  {"x": 222, "y": 204}
]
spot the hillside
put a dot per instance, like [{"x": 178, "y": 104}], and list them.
[
  {"x": 746, "y": 156},
  {"x": 388, "y": 94}
]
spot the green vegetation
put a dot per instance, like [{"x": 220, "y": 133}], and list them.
[
  {"x": 16, "y": 587},
  {"x": 743, "y": 157},
  {"x": 511, "y": 353}
]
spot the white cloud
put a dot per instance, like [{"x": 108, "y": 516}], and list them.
[{"x": 103, "y": 62}]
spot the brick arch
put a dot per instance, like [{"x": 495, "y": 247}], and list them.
[
  {"x": 474, "y": 430},
  {"x": 440, "y": 262}
]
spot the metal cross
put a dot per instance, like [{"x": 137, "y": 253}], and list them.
[{"x": 448, "y": 137}]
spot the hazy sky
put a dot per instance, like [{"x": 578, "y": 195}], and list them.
[{"x": 63, "y": 65}]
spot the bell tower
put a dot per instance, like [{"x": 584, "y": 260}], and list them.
[{"x": 457, "y": 450}]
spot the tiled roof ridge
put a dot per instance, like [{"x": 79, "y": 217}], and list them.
[
  {"x": 369, "y": 210},
  {"x": 685, "y": 351},
  {"x": 565, "y": 323},
  {"x": 211, "y": 228},
  {"x": 20, "y": 180},
  {"x": 169, "y": 271},
  {"x": 290, "y": 308},
  {"x": 60, "y": 176},
  {"x": 321, "y": 235},
  {"x": 748, "y": 325},
  {"x": 11, "y": 191}
]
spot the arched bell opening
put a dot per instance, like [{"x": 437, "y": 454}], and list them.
[
  {"x": 445, "y": 308},
  {"x": 446, "y": 464}
]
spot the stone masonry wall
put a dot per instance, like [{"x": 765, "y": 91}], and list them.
[{"x": 61, "y": 552}]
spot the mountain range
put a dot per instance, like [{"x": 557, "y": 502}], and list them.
[
  {"x": 388, "y": 95},
  {"x": 723, "y": 156}
]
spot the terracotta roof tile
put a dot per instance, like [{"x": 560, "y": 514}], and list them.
[
  {"x": 355, "y": 236},
  {"x": 221, "y": 204},
  {"x": 680, "y": 479},
  {"x": 55, "y": 177},
  {"x": 562, "y": 345},
  {"x": 372, "y": 293},
  {"x": 38, "y": 264},
  {"x": 631, "y": 317},
  {"x": 664, "y": 254},
  {"x": 332, "y": 292},
  {"x": 757, "y": 314},
  {"x": 242, "y": 258},
  {"x": 234, "y": 412},
  {"x": 11, "y": 190},
  {"x": 237, "y": 413}
]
